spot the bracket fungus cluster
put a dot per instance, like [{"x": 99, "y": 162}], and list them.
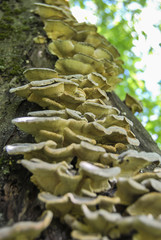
[{"x": 82, "y": 161}]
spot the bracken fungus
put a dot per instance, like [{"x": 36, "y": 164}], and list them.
[{"x": 82, "y": 161}]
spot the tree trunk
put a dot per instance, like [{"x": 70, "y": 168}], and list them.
[{"x": 18, "y": 196}]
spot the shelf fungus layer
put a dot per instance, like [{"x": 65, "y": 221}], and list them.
[{"x": 101, "y": 224}]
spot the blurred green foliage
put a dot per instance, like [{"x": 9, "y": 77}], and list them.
[{"x": 116, "y": 21}]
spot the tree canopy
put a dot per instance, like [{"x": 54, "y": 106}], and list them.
[{"x": 116, "y": 20}]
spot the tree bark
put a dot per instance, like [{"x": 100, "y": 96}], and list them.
[{"x": 18, "y": 196}]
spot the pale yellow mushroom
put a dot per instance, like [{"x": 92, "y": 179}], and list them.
[
  {"x": 61, "y": 48},
  {"x": 100, "y": 80},
  {"x": 59, "y": 90},
  {"x": 117, "y": 120},
  {"x": 45, "y": 102},
  {"x": 28, "y": 230},
  {"x": 71, "y": 203},
  {"x": 65, "y": 113},
  {"x": 129, "y": 190},
  {"x": 99, "y": 41},
  {"x": 61, "y": 154},
  {"x": 85, "y": 26},
  {"x": 73, "y": 66},
  {"x": 111, "y": 68},
  {"x": 97, "y": 65},
  {"x": 96, "y": 39},
  {"x": 22, "y": 91},
  {"x": 131, "y": 161},
  {"x": 60, "y": 178},
  {"x": 110, "y": 159},
  {"x": 111, "y": 49},
  {"x": 50, "y": 91},
  {"x": 96, "y": 178},
  {"x": 146, "y": 175},
  {"x": 84, "y": 48},
  {"x": 49, "y": 113},
  {"x": 95, "y": 222},
  {"x": 92, "y": 130},
  {"x": 96, "y": 93},
  {"x": 152, "y": 184},
  {"x": 97, "y": 109},
  {"x": 31, "y": 150},
  {"x": 44, "y": 135},
  {"x": 68, "y": 48},
  {"x": 58, "y": 2},
  {"x": 88, "y": 152},
  {"x": 102, "y": 224},
  {"x": 50, "y": 11},
  {"x": 40, "y": 39},
  {"x": 72, "y": 137},
  {"x": 53, "y": 178},
  {"x": 147, "y": 204},
  {"x": 34, "y": 124},
  {"x": 133, "y": 104},
  {"x": 101, "y": 53},
  {"x": 34, "y": 74},
  {"x": 84, "y": 151},
  {"x": 57, "y": 29}
]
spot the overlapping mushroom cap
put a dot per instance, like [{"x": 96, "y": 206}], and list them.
[
  {"x": 133, "y": 104},
  {"x": 28, "y": 230},
  {"x": 102, "y": 224},
  {"x": 61, "y": 178},
  {"x": 71, "y": 203}
]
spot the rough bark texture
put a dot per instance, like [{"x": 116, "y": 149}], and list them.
[{"x": 18, "y": 196}]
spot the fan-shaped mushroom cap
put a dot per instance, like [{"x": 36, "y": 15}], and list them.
[
  {"x": 133, "y": 104},
  {"x": 100, "y": 173},
  {"x": 147, "y": 204},
  {"x": 61, "y": 48},
  {"x": 99, "y": 41},
  {"x": 31, "y": 150},
  {"x": 100, "y": 80},
  {"x": 40, "y": 39},
  {"x": 132, "y": 161},
  {"x": 28, "y": 230},
  {"x": 73, "y": 66},
  {"x": 58, "y": 2},
  {"x": 152, "y": 184},
  {"x": 57, "y": 29},
  {"x": 68, "y": 48},
  {"x": 53, "y": 178},
  {"x": 146, "y": 175},
  {"x": 85, "y": 26},
  {"x": 71, "y": 203},
  {"x": 65, "y": 113},
  {"x": 72, "y": 137},
  {"x": 34, "y": 74},
  {"x": 102, "y": 223},
  {"x": 34, "y": 125},
  {"x": 60, "y": 179},
  {"x": 129, "y": 190},
  {"x": 98, "y": 109},
  {"x": 102, "y": 53},
  {"x": 47, "y": 11},
  {"x": 117, "y": 120},
  {"x": 96, "y": 93},
  {"x": 22, "y": 91}
]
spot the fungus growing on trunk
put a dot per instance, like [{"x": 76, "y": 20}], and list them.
[{"x": 84, "y": 144}]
